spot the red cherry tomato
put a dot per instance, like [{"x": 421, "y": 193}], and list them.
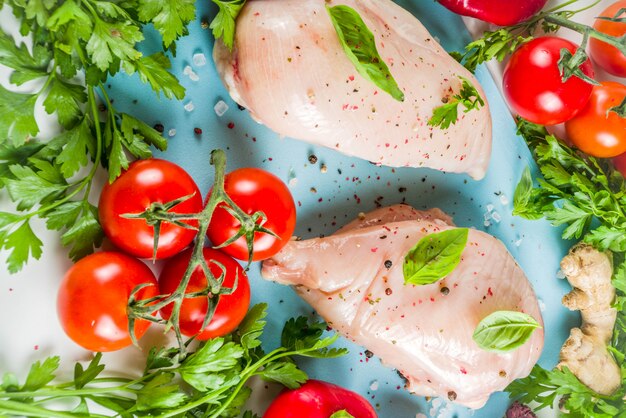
[
  {"x": 144, "y": 183},
  {"x": 603, "y": 54},
  {"x": 230, "y": 310},
  {"x": 317, "y": 399},
  {"x": 620, "y": 164},
  {"x": 533, "y": 85},
  {"x": 93, "y": 296},
  {"x": 595, "y": 130},
  {"x": 254, "y": 190}
]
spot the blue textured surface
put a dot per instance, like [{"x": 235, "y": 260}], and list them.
[{"x": 351, "y": 186}]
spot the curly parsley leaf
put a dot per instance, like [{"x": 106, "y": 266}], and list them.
[
  {"x": 41, "y": 374},
  {"x": 359, "y": 44},
  {"x": 17, "y": 116},
  {"x": 223, "y": 25},
  {"x": 448, "y": 114},
  {"x": 493, "y": 44},
  {"x": 287, "y": 374}
]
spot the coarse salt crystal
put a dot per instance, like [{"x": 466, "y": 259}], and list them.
[
  {"x": 171, "y": 132},
  {"x": 374, "y": 385},
  {"x": 542, "y": 305},
  {"x": 487, "y": 216},
  {"x": 199, "y": 59},
  {"x": 487, "y": 223},
  {"x": 519, "y": 242},
  {"x": 420, "y": 415},
  {"x": 490, "y": 208},
  {"x": 293, "y": 182},
  {"x": 189, "y": 107},
  {"x": 504, "y": 200},
  {"x": 496, "y": 217},
  {"x": 220, "y": 108}
]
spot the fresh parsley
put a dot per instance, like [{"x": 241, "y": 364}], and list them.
[
  {"x": 434, "y": 256},
  {"x": 223, "y": 25},
  {"x": 448, "y": 114},
  {"x": 587, "y": 197},
  {"x": 359, "y": 44},
  {"x": 209, "y": 382},
  {"x": 52, "y": 179}
]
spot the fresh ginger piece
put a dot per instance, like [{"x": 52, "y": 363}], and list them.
[{"x": 585, "y": 352}]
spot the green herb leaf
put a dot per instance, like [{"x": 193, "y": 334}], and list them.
[
  {"x": 21, "y": 244},
  {"x": 359, "y": 45},
  {"x": 79, "y": 142},
  {"x": 84, "y": 234},
  {"x": 214, "y": 356},
  {"x": 160, "y": 393},
  {"x": 448, "y": 114},
  {"x": 284, "y": 373},
  {"x": 41, "y": 374},
  {"x": 153, "y": 69},
  {"x": 223, "y": 26},
  {"x": 504, "y": 331},
  {"x": 65, "y": 99},
  {"x": 17, "y": 116},
  {"x": 84, "y": 376},
  {"x": 170, "y": 17},
  {"x": 434, "y": 256},
  {"x": 251, "y": 328},
  {"x": 497, "y": 44},
  {"x": 341, "y": 414},
  {"x": 104, "y": 47}
]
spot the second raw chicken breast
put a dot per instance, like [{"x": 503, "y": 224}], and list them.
[
  {"x": 354, "y": 280},
  {"x": 289, "y": 69}
]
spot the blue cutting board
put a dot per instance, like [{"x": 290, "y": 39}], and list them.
[{"x": 351, "y": 186}]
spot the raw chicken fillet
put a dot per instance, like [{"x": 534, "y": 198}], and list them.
[
  {"x": 291, "y": 72},
  {"x": 355, "y": 282}
]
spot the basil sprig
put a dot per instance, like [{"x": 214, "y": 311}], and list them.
[
  {"x": 360, "y": 46},
  {"x": 434, "y": 256},
  {"x": 504, "y": 331}
]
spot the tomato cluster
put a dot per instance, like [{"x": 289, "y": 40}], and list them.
[
  {"x": 534, "y": 87},
  {"x": 94, "y": 296}
]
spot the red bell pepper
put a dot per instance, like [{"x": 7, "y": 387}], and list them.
[
  {"x": 317, "y": 399},
  {"x": 499, "y": 12}
]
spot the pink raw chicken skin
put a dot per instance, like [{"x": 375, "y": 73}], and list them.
[
  {"x": 420, "y": 330},
  {"x": 291, "y": 72}
]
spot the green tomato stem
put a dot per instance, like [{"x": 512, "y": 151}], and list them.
[{"x": 617, "y": 41}]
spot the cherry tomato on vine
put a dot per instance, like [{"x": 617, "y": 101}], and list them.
[
  {"x": 533, "y": 85},
  {"x": 93, "y": 297},
  {"x": 620, "y": 164},
  {"x": 595, "y": 130},
  {"x": 317, "y": 399},
  {"x": 607, "y": 56},
  {"x": 254, "y": 190},
  {"x": 148, "y": 182},
  {"x": 231, "y": 309}
]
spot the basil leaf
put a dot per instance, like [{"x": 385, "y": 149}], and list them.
[
  {"x": 360, "y": 46},
  {"x": 434, "y": 257},
  {"x": 341, "y": 414},
  {"x": 504, "y": 331}
]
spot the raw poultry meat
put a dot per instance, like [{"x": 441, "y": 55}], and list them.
[
  {"x": 354, "y": 280},
  {"x": 289, "y": 69}
]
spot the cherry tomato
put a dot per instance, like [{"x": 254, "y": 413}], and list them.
[
  {"x": 93, "y": 296},
  {"x": 603, "y": 54},
  {"x": 254, "y": 190},
  {"x": 595, "y": 130},
  {"x": 620, "y": 164},
  {"x": 533, "y": 85},
  {"x": 317, "y": 399},
  {"x": 144, "y": 183},
  {"x": 230, "y": 310}
]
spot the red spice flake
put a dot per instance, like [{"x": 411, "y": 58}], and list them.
[
  {"x": 320, "y": 199},
  {"x": 489, "y": 292},
  {"x": 36, "y": 347},
  {"x": 351, "y": 78},
  {"x": 345, "y": 107},
  {"x": 463, "y": 371},
  {"x": 270, "y": 159},
  {"x": 257, "y": 14},
  {"x": 374, "y": 249},
  {"x": 432, "y": 299},
  {"x": 231, "y": 125},
  {"x": 197, "y": 131},
  {"x": 387, "y": 145}
]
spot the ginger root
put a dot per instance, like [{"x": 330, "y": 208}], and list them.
[{"x": 585, "y": 353}]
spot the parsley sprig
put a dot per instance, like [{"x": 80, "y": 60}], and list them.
[
  {"x": 588, "y": 197},
  {"x": 52, "y": 179},
  {"x": 210, "y": 382},
  {"x": 448, "y": 113}
]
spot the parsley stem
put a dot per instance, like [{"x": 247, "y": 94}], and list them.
[{"x": 12, "y": 408}]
